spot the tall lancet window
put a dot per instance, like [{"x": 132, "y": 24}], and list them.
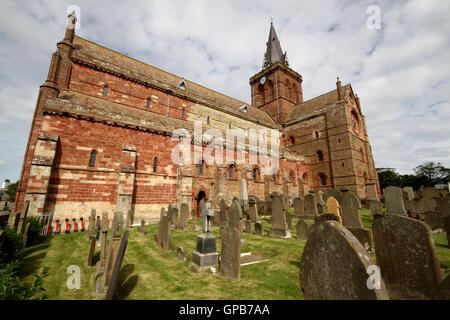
[
  {"x": 155, "y": 164},
  {"x": 92, "y": 159},
  {"x": 105, "y": 91}
]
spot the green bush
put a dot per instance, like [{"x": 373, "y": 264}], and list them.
[
  {"x": 35, "y": 229},
  {"x": 11, "y": 248},
  {"x": 11, "y": 287}
]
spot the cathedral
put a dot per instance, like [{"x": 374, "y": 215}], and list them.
[{"x": 102, "y": 137}]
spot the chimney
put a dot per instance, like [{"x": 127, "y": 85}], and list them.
[{"x": 339, "y": 89}]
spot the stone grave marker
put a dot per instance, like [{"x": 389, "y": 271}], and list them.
[
  {"x": 298, "y": 207},
  {"x": 310, "y": 206},
  {"x": 230, "y": 255},
  {"x": 25, "y": 238},
  {"x": 90, "y": 261},
  {"x": 443, "y": 207},
  {"x": 302, "y": 230},
  {"x": 164, "y": 239},
  {"x": 444, "y": 290},
  {"x": 434, "y": 220},
  {"x": 181, "y": 254},
  {"x": 112, "y": 285},
  {"x": 235, "y": 212},
  {"x": 259, "y": 228},
  {"x": 375, "y": 207},
  {"x": 103, "y": 240},
  {"x": 279, "y": 227},
  {"x": 184, "y": 217},
  {"x": 248, "y": 226},
  {"x": 253, "y": 210},
  {"x": 407, "y": 257},
  {"x": 393, "y": 198},
  {"x": 333, "y": 208},
  {"x": 223, "y": 213},
  {"x": 141, "y": 229},
  {"x": 335, "y": 193},
  {"x": 92, "y": 224},
  {"x": 350, "y": 210},
  {"x": 114, "y": 244},
  {"x": 335, "y": 266}
]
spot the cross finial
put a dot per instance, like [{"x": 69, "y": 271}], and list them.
[{"x": 271, "y": 19}]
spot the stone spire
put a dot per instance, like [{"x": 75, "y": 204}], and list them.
[{"x": 274, "y": 53}]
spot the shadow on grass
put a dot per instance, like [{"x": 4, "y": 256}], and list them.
[
  {"x": 32, "y": 265},
  {"x": 126, "y": 282},
  {"x": 295, "y": 263},
  {"x": 39, "y": 247},
  {"x": 95, "y": 258}
]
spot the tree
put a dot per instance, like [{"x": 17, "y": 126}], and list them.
[
  {"x": 432, "y": 173},
  {"x": 388, "y": 177},
  {"x": 11, "y": 191}
]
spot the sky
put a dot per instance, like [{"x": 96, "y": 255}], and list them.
[{"x": 398, "y": 64}]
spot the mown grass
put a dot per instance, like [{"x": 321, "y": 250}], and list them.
[{"x": 151, "y": 273}]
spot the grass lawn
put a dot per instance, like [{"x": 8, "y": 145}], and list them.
[{"x": 151, "y": 273}]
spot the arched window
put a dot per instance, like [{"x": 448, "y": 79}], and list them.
[
  {"x": 155, "y": 164},
  {"x": 183, "y": 114},
  {"x": 148, "y": 104},
  {"x": 316, "y": 134},
  {"x": 292, "y": 178},
  {"x": 319, "y": 155},
  {"x": 92, "y": 158},
  {"x": 291, "y": 140},
  {"x": 105, "y": 91},
  {"x": 305, "y": 177},
  {"x": 201, "y": 167},
  {"x": 231, "y": 172},
  {"x": 323, "y": 179},
  {"x": 255, "y": 174},
  {"x": 207, "y": 120}
]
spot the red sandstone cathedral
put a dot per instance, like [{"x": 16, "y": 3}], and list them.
[{"x": 101, "y": 136}]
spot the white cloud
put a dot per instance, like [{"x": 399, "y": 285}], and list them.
[{"x": 400, "y": 72}]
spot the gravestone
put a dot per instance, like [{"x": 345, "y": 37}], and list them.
[
  {"x": 443, "y": 207},
  {"x": 326, "y": 217},
  {"x": 172, "y": 214},
  {"x": 333, "y": 208},
  {"x": 230, "y": 254},
  {"x": 248, "y": 226},
  {"x": 223, "y": 213},
  {"x": 434, "y": 220},
  {"x": 279, "y": 227},
  {"x": 299, "y": 211},
  {"x": 302, "y": 230},
  {"x": 268, "y": 206},
  {"x": 319, "y": 208},
  {"x": 112, "y": 285},
  {"x": 310, "y": 206},
  {"x": 181, "y": 254},
  {"x": 103, "y": 240},
  {"x": 371, "y": 191},
  {"x": 90, "y": 261},
  {"x": 141, "y": 229},
  {"x": 164, "y": 239},
  {"x": 350, "y": 211},
  {"x": 444, "y": 290},
  {"x": 235, "y": 213},
  {"x": 184, "y": 217},
  {"x": 253, "y": 210},
  {"x": 288, "y": 219},
  {"x": 114, "y": 245},
  {"x": 335, "y": 266},
  {"x": 375, "y": 207},
  {"x": 393, "y": 198},
  {"x": 92, "y": 224},
  {"x": 407, "y": 257},
  {"x": 23, "y": 216},
  {"x": 244, "y": 197},
  {"x": 205, "y": 256},
  {"x": 215, "y": 219},
  {"x": 335, "y": 193},
  {"x": 259, "y": 228}
]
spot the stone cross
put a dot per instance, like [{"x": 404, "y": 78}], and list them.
[{"x": 207, "y": 212}]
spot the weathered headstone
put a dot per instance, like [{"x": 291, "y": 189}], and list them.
[
  {"x": 393, "y": 198},
  {"x": 112, "y": 285},
  {"x": 253, "y": 210},
  {"x": 407, "y": 257},
  {"x": 302, "y": 230},
  {"x": 172, "y": 214},
  {"x": 350, "y": 211},
  {"x": 335, "y": 266},
  {"x": 371, "y": 191},
  {"x": 184, "y": 217},
  {"x": 248, "y": 226},
  {"x": 25, "y": 238},
  {"x": 141, "y": 229},
  {"x": 215, "y": 219},
  {"x": 333, "y": 208},
  {"x": 326, "y": 217},
  {"x": 164, "y": 239},
  {"x": 103, "y": 240},
  {"x": 223, "y": 213},
  {"x": 230, "y": 255},
  {"x": 298, "y": 207},
  {"x": 279, "y": 227},
  {"x": 335, "y": 193},
  {"x": 319, "y": 208},
  {"x": 259, "y": 228},
  {"x": 444, "y": 290},
  {"x": 235, "y": 215},
  {"x": 90, "y": 261},
  {"x": 434, "y": 220},
  {"x": 92, "y": 224},
  {"x": 114, "y": 244},
  {"x": 375, "y": 207},
  {"x": 23, "y": 216},
  {"x": 181, "y": 254},
  {"x": 310, "y": 206}
]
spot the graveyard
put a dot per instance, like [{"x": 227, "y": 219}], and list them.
[{"x": 150, "y": 273}]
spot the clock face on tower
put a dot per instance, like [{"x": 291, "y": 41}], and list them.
[{"x": 354, "y": 121}]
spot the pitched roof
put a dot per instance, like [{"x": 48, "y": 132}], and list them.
[
  {"x": 316, "y": 103},
  {"x": 115, "y": 62}
]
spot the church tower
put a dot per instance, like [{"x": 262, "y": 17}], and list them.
[{"x": 277, "y": 88}]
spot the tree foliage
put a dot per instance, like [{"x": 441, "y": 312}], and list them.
[{"x": 11, "y": 191}]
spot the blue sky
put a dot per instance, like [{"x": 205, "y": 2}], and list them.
[{"x": 400, "y": 72}]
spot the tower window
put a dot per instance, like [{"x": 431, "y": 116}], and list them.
[
  {"x": 92, "y": 159},
  {"x": 105, "y": 91},
  {"x": 207, "y": 120},
  {"x": 148, "y": 104},
  {"x": 323, "y": 179},
  {"x": 255, "y": 175},
  {"x": 183, "y": 114},
  {"x": 291, "y": 140},
  {"x": 231, "y": 171},
  {"x": 319, "y": 155},
  {"x": 316, "y": 134},
  {"x": 155, "y": 164},
  {"x": 201, "y": 167}
]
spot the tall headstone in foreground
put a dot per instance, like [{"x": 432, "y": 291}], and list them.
[
  {"x": 103, "y": 240},
  {"x": 184, "y": 217},
  {"x": 114, "y": 244},
  {"x": 279, "y": 227},
  {"x": 333, "y": 248},
  {"x": 164, "y": 239},
  {"x": 112, "y": 285},
  {"x": 230, "y": 255},
  {"x": 310, "y": 206},
  {"x": 393, "y": 198},
  {"x": 205, "y": 255},
  {"x": 407, "y": 257},
  {"x": 23, "y": 216}
]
